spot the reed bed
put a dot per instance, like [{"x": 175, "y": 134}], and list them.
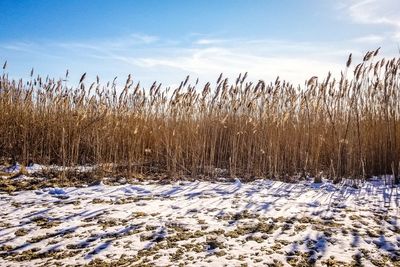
[{"x": 335, "y": 128}]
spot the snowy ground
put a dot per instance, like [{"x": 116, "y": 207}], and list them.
[{"x": 262, "y": 223}]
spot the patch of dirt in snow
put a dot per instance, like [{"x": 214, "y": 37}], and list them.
[{"x": 262, "y": 223}]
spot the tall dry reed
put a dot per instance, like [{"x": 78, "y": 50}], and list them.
[{"x": 335, "y": 128}]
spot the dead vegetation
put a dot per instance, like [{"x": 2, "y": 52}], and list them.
[{"x": 335, "y": 128}]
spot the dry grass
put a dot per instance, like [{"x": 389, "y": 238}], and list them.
[{"x": 334, "y": 128}]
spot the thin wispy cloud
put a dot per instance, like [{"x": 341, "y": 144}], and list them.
[
  {"x": 383, "y": 12},
  {"x": 261, "y": 59},
  {"x": 210, "y": 41},
  {"x": 147, "y": 39},
  {"x": 169, "y": 63},
  {"x": 380, "y": 17},
  {"x": 372, "y": 39},
  {"x": 17, "y": 46}
]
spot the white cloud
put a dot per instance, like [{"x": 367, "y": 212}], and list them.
[
  {"x": 207, "y": 41},
  {"x": 379, "y": 20},
  {"x": 110, "y": 44},
  {"x": 150, "y": 58},
  {"x": 381, "y": 12},
  {"x": 370, "y": 39},
  {"x": 17, "y": 46},
  {"x": 207, "y": 63},
  {"x": 396, "y": 36},
  {"x": 147, "y": 39}
]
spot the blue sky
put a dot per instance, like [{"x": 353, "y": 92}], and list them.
[{"x": 167, "y": 40}]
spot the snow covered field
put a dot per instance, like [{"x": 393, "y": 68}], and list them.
[{"x": 261, "y": 223}]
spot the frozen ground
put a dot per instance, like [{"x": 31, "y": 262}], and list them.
[{"x": 262, "y": 223}]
